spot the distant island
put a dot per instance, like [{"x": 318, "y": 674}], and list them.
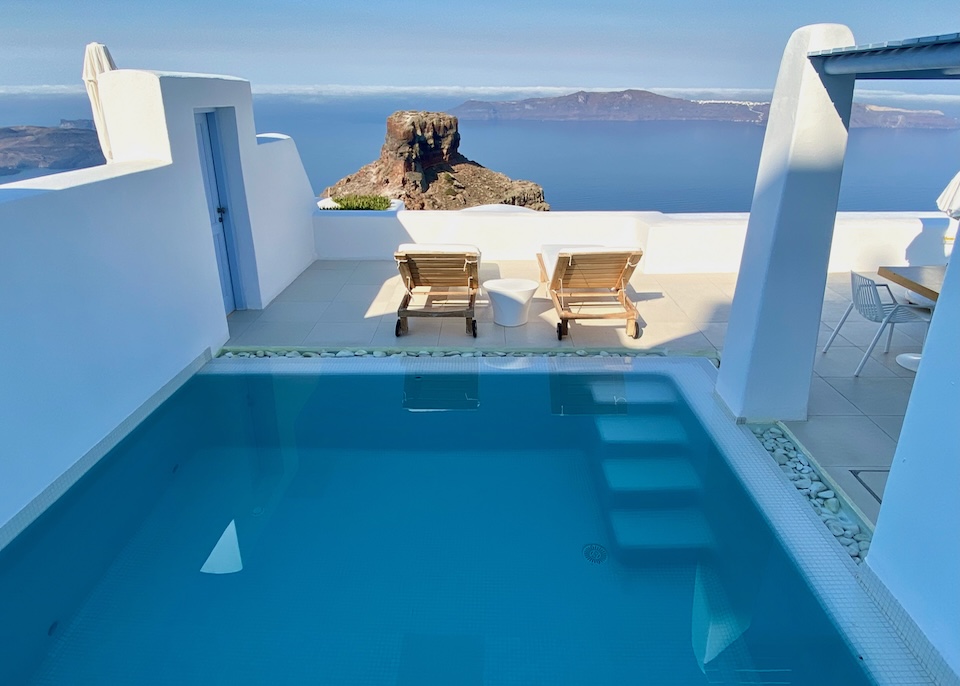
[
  {"x": 72, "y": 145},
  {"x": 640, "y": 105}
]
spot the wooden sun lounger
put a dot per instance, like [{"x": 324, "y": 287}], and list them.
[
  {"x": 586, "y": 277},
  {"x": 447, "y": 275}
]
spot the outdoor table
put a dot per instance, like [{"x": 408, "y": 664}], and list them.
[{"x": 924, "y": 280}]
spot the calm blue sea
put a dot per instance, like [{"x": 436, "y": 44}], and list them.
[{"x": 666, "y": 166}]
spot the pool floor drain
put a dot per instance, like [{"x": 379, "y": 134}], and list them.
[{"x": 595, "y": 553}]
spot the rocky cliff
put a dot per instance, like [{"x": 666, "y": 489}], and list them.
[
  {"x": 638, "y": 105},
  {"x": 420, "y": 163},
  {"x": 48, "y": 147}
]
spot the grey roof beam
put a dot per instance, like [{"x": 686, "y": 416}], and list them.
[{"x": 937, "y": 59}]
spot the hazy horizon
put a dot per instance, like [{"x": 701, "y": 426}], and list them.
[{"x": 699, "y": 44}]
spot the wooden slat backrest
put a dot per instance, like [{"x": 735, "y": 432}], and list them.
[
  {"x": 595, "y": 269},
  {"x": 439, "y": 269}
]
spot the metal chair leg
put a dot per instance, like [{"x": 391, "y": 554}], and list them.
[
  {"x": 886, "y": 348},
  {"x": 837, "y": 329},
  {"x": 870, "y": 348}
]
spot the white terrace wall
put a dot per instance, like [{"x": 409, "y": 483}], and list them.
[
  {"x": 108, "y": 276},
  {"x": 672, "y": 243}
]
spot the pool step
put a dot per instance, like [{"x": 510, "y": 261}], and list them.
[
  {"x": 641, "y": 430},
  {"x": 646, "y": 531},
  {"x": 630, "y": 392},
  {"x": 650, "y": 475},
  {"x": 608, "y": 394}
]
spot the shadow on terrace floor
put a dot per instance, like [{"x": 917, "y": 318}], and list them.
[
  {"x": 853, "y": 425},
  {"x": 354, "y": 304}
]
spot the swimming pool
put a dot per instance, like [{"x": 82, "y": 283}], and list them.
[{"x": 494, "y": 520}]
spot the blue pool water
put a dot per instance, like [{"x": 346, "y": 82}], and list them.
[{"x": 413, "y": 529}]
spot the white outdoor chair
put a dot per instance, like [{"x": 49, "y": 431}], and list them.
[{"x": 866, "y": 298}]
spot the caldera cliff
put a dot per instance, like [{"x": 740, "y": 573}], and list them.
[{"x": 421, "y": 165}]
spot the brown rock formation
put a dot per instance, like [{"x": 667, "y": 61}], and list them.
[{"x": 420, "y": 163}]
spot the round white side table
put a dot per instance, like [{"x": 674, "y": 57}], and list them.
[
  {"x": 909, "y": 361},
  {"x": 510, "y": 299}
]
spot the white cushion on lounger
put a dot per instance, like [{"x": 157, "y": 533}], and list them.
[
  {"x": 550, "y": 253},
  {"x": 438, "y": 247}
]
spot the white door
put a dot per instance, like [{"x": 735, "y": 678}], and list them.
[{"x": 212, "y": 182}]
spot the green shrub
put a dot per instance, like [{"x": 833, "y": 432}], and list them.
[{"x": 362, "y": 202}]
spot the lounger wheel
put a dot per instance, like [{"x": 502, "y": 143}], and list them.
[
  {"x": 561, "y": 329},
  {"x": 398, "y": 328},
  {"x": 633, "y": 329},
  {"x": 473, "y": 327}
]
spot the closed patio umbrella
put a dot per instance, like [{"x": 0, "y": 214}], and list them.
[
  {"x": 96, "y": 60},
  {"x": 949, "y": 200},
  {"x": 949, "y": 204}
]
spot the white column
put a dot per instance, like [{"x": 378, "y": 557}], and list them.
[
  {"x": 916, "y": 548},
  {"x": 771, "y": 338}
]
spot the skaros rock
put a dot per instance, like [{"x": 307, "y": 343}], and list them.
[{"x": 421, "y": 165}]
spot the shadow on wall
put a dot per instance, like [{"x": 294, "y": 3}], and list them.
[{"x": 930, "y": 241}]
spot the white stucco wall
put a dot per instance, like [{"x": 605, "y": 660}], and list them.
[
  {"x": 915, "y": 550},
  {"x": 108, "y": 276},
  {"x": 282, "y": 211},
  {"x": 109, "y": 289},
  {"x": 765, "y": 373},
  {"x": 270, "y": 198},
  {"x": 672, "y": 243},
  {"x": 503, "y": 235}
]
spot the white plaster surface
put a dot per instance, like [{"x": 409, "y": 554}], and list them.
[
  {"x": 110, "y": 289},
  {"x": 705, "y": 243},
  {"x": 281, "y": 210},
  {"x": 771, "y": 339},
  {"x": 919, "y": 566},
  {"x": 108, "y": 275}
]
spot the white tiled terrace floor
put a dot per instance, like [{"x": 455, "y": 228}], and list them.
[{"x": 853, "y": 426}]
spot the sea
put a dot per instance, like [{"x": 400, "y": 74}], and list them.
[{"x": 665, "y": 166}]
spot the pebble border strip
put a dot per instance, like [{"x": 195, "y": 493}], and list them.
[
  {"x": 394, "y": 352},
  {"x": 850, "y": 530}
]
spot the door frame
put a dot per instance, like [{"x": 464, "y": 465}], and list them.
[{"x": 238, "y": 235}]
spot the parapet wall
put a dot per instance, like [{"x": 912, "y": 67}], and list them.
[
  {"x": 672, "y": 243},
  {"x": 109, "y": 278}
]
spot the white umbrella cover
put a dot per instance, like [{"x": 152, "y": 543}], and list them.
[
  {"x": 949, "y": 200},
  {"x": 96, "y": 60}
]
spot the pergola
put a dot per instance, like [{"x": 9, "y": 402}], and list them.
[{"x": 771, "y": 341}]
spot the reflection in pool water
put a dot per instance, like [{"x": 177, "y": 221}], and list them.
[{"x": 347, "y": 529}]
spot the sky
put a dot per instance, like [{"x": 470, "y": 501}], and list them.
[{"x": 683, "y": 44}]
